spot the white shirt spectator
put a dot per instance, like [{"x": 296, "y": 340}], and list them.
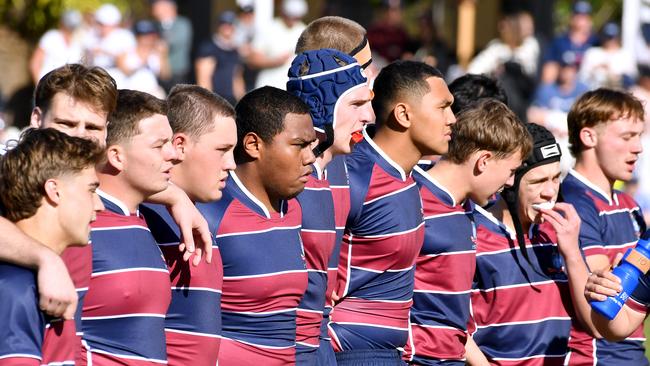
[
  {"x": 57, "y": 52},
  {"x": 601, "y": 67},
  {"x": 496, "y": 53},
  {"x": 104, "y": 51},
  {"x": 276, "y": 40}
]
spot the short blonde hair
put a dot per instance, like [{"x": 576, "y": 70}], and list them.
[{"x": 335, "y": 32}]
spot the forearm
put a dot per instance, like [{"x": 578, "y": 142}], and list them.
[
  {"x": 619, "y": 328},
  {"x": 204, "y": 69},
  {"x": 20, "y": 249},
  {"x": 260, "y": 61},
  {"x": 577, "y": 274},
  {"x": 473, "y": 355},
  {"x": 168, "y": 197}
]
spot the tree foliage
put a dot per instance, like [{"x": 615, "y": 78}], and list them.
[{"x": 31, "y": 18}]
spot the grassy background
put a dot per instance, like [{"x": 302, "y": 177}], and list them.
[{"x": 646, "y": 327}]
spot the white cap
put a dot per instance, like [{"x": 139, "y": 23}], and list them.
[
  {"x": 294, "y": 8},
  {"x": 108, "y": 14}
]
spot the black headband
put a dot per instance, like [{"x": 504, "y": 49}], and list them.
[{"x": 358, "y": 48}]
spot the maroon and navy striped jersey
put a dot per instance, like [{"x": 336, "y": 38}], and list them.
[
  {"x": 193, "y": 321},
  {"x": 319, "y": 239},
  {"x": 382, "y": 238},
  {"x": 609, "y": 225},
  {"x": 123, "y": 318},
  {"x": 443, "y": 276},
  {"x": 521, "y": 307},
  {"x": 63, "y": 337},
  {"x": 264, "y": 276},
  {"x": 23, "y": 324}
]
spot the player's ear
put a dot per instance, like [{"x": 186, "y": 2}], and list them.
[
  {"x": 588, "y": 137},
  {"x": 115, "y": 158},
  {"x": 402, "y": 115},
  {"x": 482, "y": 160},
  {"x": 51, "y": 188},
  {"x": 252, "y": 145},
  {"x": 36, "y": 118},
  {"x": 180, "y": 143}
]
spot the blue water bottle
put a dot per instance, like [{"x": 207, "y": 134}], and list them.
[{"x": 635, "y": 263}]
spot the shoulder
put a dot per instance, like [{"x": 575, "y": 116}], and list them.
[
  {"x": 17, "y": 289},
  {"x": 214, "y": 212}
]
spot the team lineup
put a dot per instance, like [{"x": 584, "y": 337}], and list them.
[{"x": 332, "y": 223}]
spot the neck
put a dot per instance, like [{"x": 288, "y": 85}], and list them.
[
  {"x": 116, "y": 186},
  {"x": 40, "y": 228},
  {"x": 500, "y": 211},
  {"x": 325, "y": 158},
  {"x": 248, "y": 174},
  {"x": 453, "y": 177},
  {"x": 179, "y": 179},
  {"x": 587, "y": 165},
  {"x": 398, "y": 147}
]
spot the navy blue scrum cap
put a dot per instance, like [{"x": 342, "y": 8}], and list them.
[{"x": 320, "y": 78}]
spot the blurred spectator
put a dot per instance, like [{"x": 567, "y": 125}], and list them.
[
  {"x": 512, "y": 59},
  {"x": 7, "y": 132},
  {"x": 388, "y": 36},
  {"x": 512, "y": 45},
  {"x": 58, "y": 47},
  {"x": 608, "y": 65},
  {"x": 552, "y": 103},
  {"x": 245, "y": 24},
  {"x": 218, "y": 64},
  {"x": 571, "y": 46},
  {"x": 244, "y": 34},
  {"x": 642, "y": 170},
  {"x": 272, "y": 49},
  {"x": 177, "y": 32},
  {"x": 429, "y": 47},
  {"x": 109, "y": 40},
  {"x": 141, "y": 67}
]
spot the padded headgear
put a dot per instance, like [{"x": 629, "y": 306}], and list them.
[
  {"x": 545, "y": 151},
  {"x": 320, "y": 78}
]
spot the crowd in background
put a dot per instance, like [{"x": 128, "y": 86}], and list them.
[{"x": 541, "y": 79}]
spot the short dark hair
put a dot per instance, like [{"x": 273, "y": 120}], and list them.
[
  {"x": 597, "y": 107},
  {"x": 132, "y": 107},
  {"x": 262, "y": 111},
  {"x": 191, "y": 109},
  {"x": 92, "y": 85},
  {"x": 41, "y": 154},
  {"x": 470, "y": 88},
  {"x": 399, "y": 80}
]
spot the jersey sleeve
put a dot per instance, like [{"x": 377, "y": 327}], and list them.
[
  {"x": 640, "y": 298},
  {"x": 21, "y": 336},
  {"x": 205, "y": 50}
]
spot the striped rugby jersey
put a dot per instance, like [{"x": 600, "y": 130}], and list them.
[
  {"x": 443, "y": 276},
  {"x": 123, "y": 318},
  {"x": 63, "y": 337},
  {"x": 382, "y": 238},
  {"x": 193, "y": 321},
  {"x": 23, "y": 324},
  {"x": 319, "y": 239},
  {"x": 264, "y": 276},
  {"x": 521, "y": 310},
  {"x": 610, "y": 225}
]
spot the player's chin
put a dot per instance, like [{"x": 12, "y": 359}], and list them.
[{"x": 294, "y": 190}]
